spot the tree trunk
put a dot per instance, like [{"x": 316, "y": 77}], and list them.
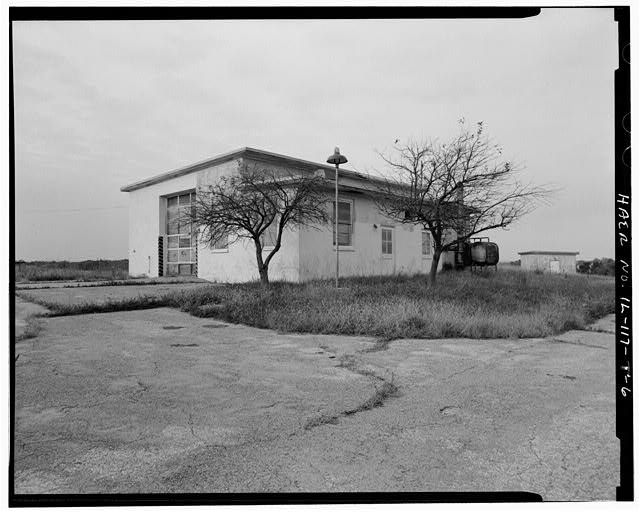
[
  {"x": 434, "y": 266},
  {"x": 264, "y": 274},
  {"x": 263, "y": 269}
]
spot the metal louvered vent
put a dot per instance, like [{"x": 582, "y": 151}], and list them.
[
  {"x": 195, "y": 265},
  {"x": 160, "y": 256}
]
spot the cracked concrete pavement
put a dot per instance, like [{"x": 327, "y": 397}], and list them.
[{"x": 159, "y": 401}]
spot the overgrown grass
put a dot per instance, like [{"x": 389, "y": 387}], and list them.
[
  {"x": 90, "y": 283},
  {"x": 31, "y": 330},
  {"x": 475, "y": 305},
  {"x": 90, "y": 270},
  {"x": 109, "y": 306},
  {"x": 500, "y": 304}
]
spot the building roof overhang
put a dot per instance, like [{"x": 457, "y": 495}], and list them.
[{"x": 254, "y": 154}]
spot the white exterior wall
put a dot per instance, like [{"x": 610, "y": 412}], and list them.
[
  {"x": 532, "y": 262},
  {"x": 238, "y": 262},
  {"x": 317, "y": 254},
  {"x": 147, "y": 209},
  {"x": 305, "y": 254}
]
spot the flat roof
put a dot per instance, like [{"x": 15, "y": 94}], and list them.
[
  {"x": 250, "y": 152},
  {"x": 565, "y": 253}
]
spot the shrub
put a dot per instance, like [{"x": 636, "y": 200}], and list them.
[
  {"x": 602, "y": 267},
  {"x": 90, "y": 270}
]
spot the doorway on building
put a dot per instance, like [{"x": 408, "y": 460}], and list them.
[{"x": 182, "y": 257}]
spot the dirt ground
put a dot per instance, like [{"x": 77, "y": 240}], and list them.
[{"x": 159, "y": 401}]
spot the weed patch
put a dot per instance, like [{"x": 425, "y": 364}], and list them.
[
  {"x": 506, "y": 304},
  {"x": 382, "y": 393},
  {"x": 109, "y": 306},
  {"x": 31, "y": 330}
]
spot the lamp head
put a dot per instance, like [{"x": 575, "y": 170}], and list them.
[{"x": 337, "y": 158}]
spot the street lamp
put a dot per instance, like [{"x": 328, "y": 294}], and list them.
[{"x": 336, "y": 159}]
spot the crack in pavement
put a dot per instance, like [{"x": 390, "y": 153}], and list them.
[
  {"x": 191, "y": 427},
  {"x": 563, "y": 376},
  {"x": 384, "y": 390},
  {"x": 380, "y": 345},
  {"x": 533, "y": 450},
  {"x": 524, "y": 347},
  {"x": 464, "y": 370},
  {"x": 604, "y": 331},
  {"x": 557, "y": 340}
]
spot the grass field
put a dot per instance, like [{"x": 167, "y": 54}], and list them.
[
  {"x": 90, "y": 270},
  {"x": 476, "y": 305},
  {"x": 503, "y": 304}
]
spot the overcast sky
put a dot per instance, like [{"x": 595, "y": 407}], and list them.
[{"x": 102, "y": 104}]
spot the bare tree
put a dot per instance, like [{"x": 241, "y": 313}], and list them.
[
  {"x": 461, "y": 188},
  {"x": 247, "y": 204}
]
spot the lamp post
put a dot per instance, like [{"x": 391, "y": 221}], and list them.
[{"x": 336, "y": 159}]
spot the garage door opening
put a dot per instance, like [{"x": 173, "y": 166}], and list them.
[{"x": 181, "y": 240}]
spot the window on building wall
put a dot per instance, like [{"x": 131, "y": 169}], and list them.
[
  {"x": 269, "y": 236},
  {"x": 345, "y": 224},
  {"x": 181, "y": 237},
  {"x": 387, "y": 241},
  {"x": 426, "y": 243},
  {"x": 222, "y": 244}
]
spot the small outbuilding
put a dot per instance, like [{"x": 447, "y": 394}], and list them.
[{"x": 556, "y": 262}]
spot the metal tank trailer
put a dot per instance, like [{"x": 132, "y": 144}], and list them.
[{"x": 477, "y": 253}]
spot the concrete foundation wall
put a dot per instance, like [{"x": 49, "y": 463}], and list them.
[{"x": 543, "y": 262}]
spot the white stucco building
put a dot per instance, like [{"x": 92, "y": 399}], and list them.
[
  {"x": 556, "y": 262},
  {"x": 371, "y": 244}
]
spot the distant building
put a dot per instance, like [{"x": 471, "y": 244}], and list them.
[
  {"x": 370, "y": 243},
  {"x": 556, "y": 262}
]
